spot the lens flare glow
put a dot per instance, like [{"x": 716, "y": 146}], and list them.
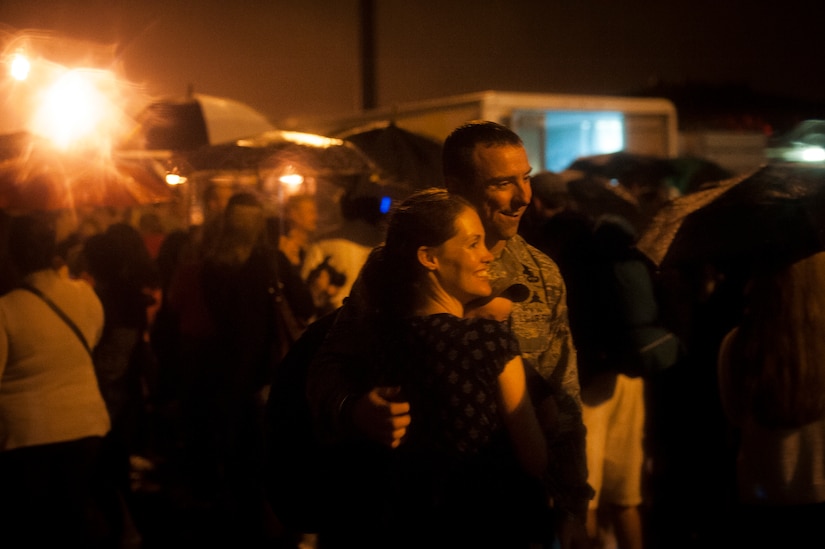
[
  {"x": 20, "y": 67},
  {"x": 813, "y": 154},
  {"x": 66, "y": 90},
  {"x": 77, "y": 109},
  {"x": 175, "y": 179},
  {"x": 64, "y": 112},
  {"x": 291, "y": 179}
]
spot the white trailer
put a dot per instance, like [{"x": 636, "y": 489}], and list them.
[{"x": 556, "y": 128}]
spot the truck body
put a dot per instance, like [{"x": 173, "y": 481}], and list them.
[{"x": 556, "y": 128}]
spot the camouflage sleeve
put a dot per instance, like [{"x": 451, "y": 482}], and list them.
[{"x": 571, "y": 492}]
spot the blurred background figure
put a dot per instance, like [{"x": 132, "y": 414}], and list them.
[
  {"x": 126, "y": 280},
  {"x": 621, "y": 342},
  {"x": 52, "y": 415},
  {"x": 325, "y": 283},
  {"x": 293, "y": 233},
  {"x": 772, "y": 384},
  {"x": 614, "y": 315},
  {"x": 550, "y": 198},
  {"x": 152, "y": 232},
  {"x": 348, "y": 246},
  {"x": 8, "y": 276},
  {"x": 228, "y": 343},
  {"x": 299, "y": 223}
]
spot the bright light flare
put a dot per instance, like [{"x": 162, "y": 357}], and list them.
[
  {"x": 299, "y": 138},
  {"x": 291, "y": 179},
  {"x": 813, "y": 154},
  {"x": 20, "y": 67},
  {"x": 78, "y": 109},
  {"x": 79, "y": 105},
  {"x": 175, "y": 179}
]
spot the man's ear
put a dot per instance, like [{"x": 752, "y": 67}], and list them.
[{"x": 427, "y": 258}]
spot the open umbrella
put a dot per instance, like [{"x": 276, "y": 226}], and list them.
[
  {"x": 773, "y": 214},
  {"x": 195, "y": 121},
  {"x": 37, "y": 177},
  {"x": 269, "y": 150},
  {"x": 599, "y": 196},
  {"x": 627, "y": 168},
  {"x": 403, "y": 157},
  {"x": 691, "y": 173},
  {"x": 267, "y": 160}
]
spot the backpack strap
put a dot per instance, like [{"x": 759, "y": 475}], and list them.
[{"x": 61, "y": 314}]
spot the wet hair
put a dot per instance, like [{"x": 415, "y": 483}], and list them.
[
  {"x": 32, "y": 243},
  {"x": 457, "y": 153},
  {"x": 119, "y": 256},
  {"x": 777, "y": 353},
  {"x": 392, "y": 272}
]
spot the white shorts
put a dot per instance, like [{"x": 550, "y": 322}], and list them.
[{"x": 614, "y": 414}]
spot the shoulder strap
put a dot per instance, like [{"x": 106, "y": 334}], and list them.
[{"x": 61, "y": 314}]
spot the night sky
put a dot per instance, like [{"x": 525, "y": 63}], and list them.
[{"x": 301, "y": 57}]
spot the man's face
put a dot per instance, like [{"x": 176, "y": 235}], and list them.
[{"x": 502, "y": 181}]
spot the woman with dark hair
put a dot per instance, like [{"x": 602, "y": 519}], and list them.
[
  {"x": 467, "y": 472},
  {"x": 772, "y": 382}
]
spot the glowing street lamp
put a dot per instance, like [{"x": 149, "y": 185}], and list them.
[{"x": 20, "y": 67}]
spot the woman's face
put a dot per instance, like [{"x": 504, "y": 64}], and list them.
[{"x": 462, "y": 261}]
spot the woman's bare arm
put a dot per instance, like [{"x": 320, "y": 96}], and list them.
[{"x": 520, "y": 419}]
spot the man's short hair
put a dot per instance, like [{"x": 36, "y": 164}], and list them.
[{"x": 457, "y": 153}]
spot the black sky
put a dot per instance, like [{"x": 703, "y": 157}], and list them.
[{"x": 301, "y": 57}]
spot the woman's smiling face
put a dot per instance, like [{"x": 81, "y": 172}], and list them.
[{"x": 462, "y": 261}]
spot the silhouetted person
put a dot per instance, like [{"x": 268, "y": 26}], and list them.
[
  {"x": 229, "y": 346},
  {"x": 772, "y": 385},
  {"x": 125, "y": 278}
]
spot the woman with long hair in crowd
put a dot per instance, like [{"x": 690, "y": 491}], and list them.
[{"x": 772, "y": 381}]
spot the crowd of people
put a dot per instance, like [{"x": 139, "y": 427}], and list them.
[{"x": 488, "y": 365}]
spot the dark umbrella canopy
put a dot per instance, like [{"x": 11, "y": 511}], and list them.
[
  {"x": 405, "y": 158},
  {"x": 270, "y": 150},
  {"x": 690, "y": 173},
  {"x": 37, "y": 177},
  {"x": 599, "y": 196},
  {"x": 627, "y": 168},
  {"x": 591, "y": 195},
  {"x": 685, "y": 173},
  {"x": 774, "y": 214},
  {"x": 335, "y": 165}
]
